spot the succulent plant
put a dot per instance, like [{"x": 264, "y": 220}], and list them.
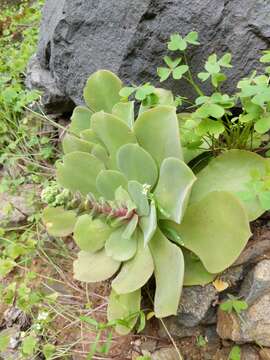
[{"x": 137, "y": 209}]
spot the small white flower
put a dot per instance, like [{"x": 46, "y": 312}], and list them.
[
  {"x": 43, "y": 315},
  {"x": 146, "y": 189}
]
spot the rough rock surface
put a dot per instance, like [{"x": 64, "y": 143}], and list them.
[
  {"x": 81, "y": 36},
  {"x": 254, "y": 323},
  {"x": 195, "y": 303},
  {"x": 165, "y": 354},
  {"x": 16, "y": 208}
]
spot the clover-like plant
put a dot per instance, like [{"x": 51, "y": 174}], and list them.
[{"x": 136, "y": 210}]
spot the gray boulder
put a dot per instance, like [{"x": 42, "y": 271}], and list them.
[{"x": 129, "y": 37}]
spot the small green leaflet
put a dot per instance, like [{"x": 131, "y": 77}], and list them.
[
  {"x": 233, "y": 304},
  {"x": 235, "y": 353}
]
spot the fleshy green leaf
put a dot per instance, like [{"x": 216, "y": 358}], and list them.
[
  {"x": 78, "y": 172},
  {"x": 230, "y": 171},
  {"x": 138, "y": 195},
  {"x": 94, "y": 267},
  {"x": 195, "y": 272},
  {"x": 108, "y": 181},
  {"x": 137, "y": 164},
  {"x": 73, "y": 143},
  {"x": 124, "y": 307},
  {"x": 90, "y": 136},
  {"x": 125, "y": 112},
  {"x": 135, "y": 272},
  {"x": 101, "y": 91},
  {"x": 100, "y": 153},
  {"x": 59, "y": 222},
  {"x": 113, "y": 132},
  {"x": 169, "y": 274},
  {"x": 173, "y": 188},
  {"x": 148, "y": 224},
  {"x": 157, "y": 132},
  {"x": 80, "y": 120},
  {"x": 119, "y": 247},
  {"x": 216, "y": 229},
  {"x": 91, "y": 234}
]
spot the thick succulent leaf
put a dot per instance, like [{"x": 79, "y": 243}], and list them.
[
  {"x": 91, "y": 234},
  {"x": 113, "y": 133},
  {"x": 125, "y": 112},
  {"x": 74, "y": 143},
  {"x": 101, "y": 91},
  {"x": 94, "y": 267},
  {"x": 216, "y": 229},
  {"x": 100, "y": 153},
  {"x": 59, "y": 222},
  {"x": 123, "y": 198},
  {"x": 108, "y": 181},
  {"x": 173, "y": 189},
  {"x": 230, "y": 171},
  {"x": 119, "y": 247},
  {"x": 137, "y": 164},
  {"x": 195, "y": 272},
  {"x": 124, "y": 307},
  {"x": 131, "y": 226},
  {"x": 78, "y": 172},
  {"x": 148, "y": 224},
  {"x": 90, "y": 136},
  {"x": 169, "y": 274},
  {"x": 157, "y": 132},
  {"x": 135, "y": 272},
  {"x": 164, "y": 97},
  {"x": 80, "y": 120},
  {"x": 138, "y": 195}
]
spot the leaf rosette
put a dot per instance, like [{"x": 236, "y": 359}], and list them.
[{"x": 138, "y": 210}]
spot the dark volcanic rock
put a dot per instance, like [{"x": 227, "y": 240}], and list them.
[{"x": 81, "y": 36}]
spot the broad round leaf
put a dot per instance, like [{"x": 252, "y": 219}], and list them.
[
  {"x": 94, "y": 267},
  {"x": 78, "y": 172},
  {"x": 124, "y": 307},
  {"x": 100, "y": 153},
  {"x": 135, "y": 272},
  {"x": 216, "y": 229},
  {"x": 157, "y": 132},
  {"x": 101, "y": 91},
  {"x": 80, "y": 120},
  {"x": 169, "y": 274},
  {"x": 230, "y": 171},
  {"x": 119, "y": 247},
  {"x": 113, "y": 133},
  {"x": 195, "y": 272},
  {"x": 173, "y": 188},
  {"x": 108, "y": 181},
  {"x": 91, "y": 234},
  {"x": 125, "y": 112},
  {"x": 59, "y": 222},
  {"x": 90, "y": 136},
  {"x": 137, "y": 164},
  {"x": 72, "y": 143}
]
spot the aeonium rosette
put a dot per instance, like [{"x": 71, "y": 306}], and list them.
[{"x": 136, "y": 208}]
